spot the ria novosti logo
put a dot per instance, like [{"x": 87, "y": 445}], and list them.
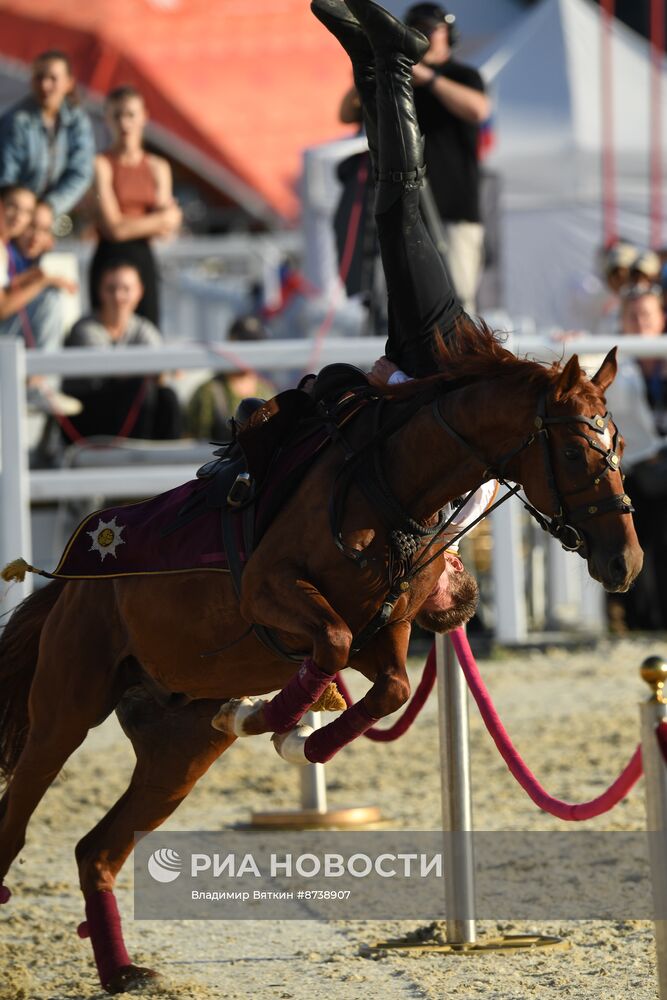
[{"x": 165, "y": 865}]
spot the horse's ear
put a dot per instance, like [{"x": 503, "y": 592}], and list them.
[
  {"x": 607, "y": 371},
  {"x": 568, "y": 379}
]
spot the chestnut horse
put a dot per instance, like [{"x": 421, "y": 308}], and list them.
[{"x": 75, "y": 651}]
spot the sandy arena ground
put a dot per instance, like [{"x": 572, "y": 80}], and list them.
[{"x": 573, "y": 715}]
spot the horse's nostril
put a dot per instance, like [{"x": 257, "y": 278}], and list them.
[{"x": 618, "y": 568}]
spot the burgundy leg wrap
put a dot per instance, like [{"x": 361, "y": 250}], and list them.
[
  {"x": 324, "y": 743},
  {"x": 5, "y": 894},
  {"x": 106, "y": 935},
  {"x": 285, "y": 710}
]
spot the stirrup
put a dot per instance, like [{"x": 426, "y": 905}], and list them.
[{"x": 241, "y": 490}]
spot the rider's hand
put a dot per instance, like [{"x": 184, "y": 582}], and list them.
[{"x": 381, "y": 372}]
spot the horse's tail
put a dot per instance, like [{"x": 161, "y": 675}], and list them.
[{"x": 19, "y": 647}]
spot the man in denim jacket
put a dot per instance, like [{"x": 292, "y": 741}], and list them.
[{"x": 46, "y": 141}]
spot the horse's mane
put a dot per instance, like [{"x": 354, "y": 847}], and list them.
[{"x": 474, "y": 352}]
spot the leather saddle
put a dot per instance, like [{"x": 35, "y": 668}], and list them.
[
  {"x": 261, "y": 427},
  {"x": 240, "y": 470}
]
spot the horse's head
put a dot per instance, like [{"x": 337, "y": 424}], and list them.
[{"x": 571, "y": 473}]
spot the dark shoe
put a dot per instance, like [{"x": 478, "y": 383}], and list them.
[
  {"x": 387, "y": 35},
  {"x": 343, "y": 25},
  {"x": 337, "y": 19}
]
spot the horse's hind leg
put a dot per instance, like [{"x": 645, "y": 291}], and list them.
[
  {"x": 74, "y": 688},
  {"x": 174, "y": 748}
]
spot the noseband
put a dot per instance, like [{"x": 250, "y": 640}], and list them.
[{"x": 565, "y": 523}]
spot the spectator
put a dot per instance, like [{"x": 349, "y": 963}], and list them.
[
  {"x": 46, "y": 141},
  {"x": 214, "y": 402},
  {"x": 595, "y": 300},
  {"x": 451, "y": 104},
  {"x": 28, "y": 306},
  {"x": 638, "y": 400},
  {"x": 125, "y": 407},
  {"x": 645, "y": 270},
  {"x": 41, "y": 320},
  {"x": 134, "y": 199},
  {"x": 615, "y": 264}
]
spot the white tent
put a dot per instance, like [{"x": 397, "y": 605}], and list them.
[{"x": 545, "y": 77}]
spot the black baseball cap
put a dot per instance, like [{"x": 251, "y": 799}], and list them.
[{"x": 427, "y": 16}]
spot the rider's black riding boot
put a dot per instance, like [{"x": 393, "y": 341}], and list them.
[
  {"x": 400, "y": 157},
  {"x": 344, "y": 26}
]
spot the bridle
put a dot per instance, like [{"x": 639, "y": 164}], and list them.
[{"x": 564, "y": 524}]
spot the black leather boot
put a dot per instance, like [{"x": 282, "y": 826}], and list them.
[
  {"x": 387, "y": 35},
  {"x": 343, "y": 25},
  {"x": 397, "y": 48}
]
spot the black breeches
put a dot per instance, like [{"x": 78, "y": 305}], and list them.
[{"x": 420, "y": 296}]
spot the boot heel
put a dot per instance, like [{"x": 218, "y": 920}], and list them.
[{"x": 388, "y": 35}]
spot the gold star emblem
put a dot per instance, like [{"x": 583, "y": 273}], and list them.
[{"x": 106, "y": 538}]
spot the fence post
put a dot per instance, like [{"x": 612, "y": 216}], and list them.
[
  {"x": 314, "y": 810},
  {"x": 459, "y": 862},
  {"x": 508, "y": 574},
  {"x": 654, "y": 713},
  {"x": 15, "y": 538},
  {"x": 313, "y": 778}
]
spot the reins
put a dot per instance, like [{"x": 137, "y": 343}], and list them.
[
  {"x": 562, "y": 525},
  {"x": 369, "y": 477}
]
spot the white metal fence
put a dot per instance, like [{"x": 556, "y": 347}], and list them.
[{"x": 574, "y": 600}]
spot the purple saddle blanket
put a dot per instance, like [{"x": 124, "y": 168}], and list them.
[
  {"x": 153, "y": 536},
  {"x": 135, "y": 539}
]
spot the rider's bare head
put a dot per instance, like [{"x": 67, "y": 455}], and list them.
[{"x": 454, "y": 600}]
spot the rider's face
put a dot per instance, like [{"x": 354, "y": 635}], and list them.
[{"x": 441, "y": 597}]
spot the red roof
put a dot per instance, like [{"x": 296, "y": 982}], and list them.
[{"x": 248, "y": 85}]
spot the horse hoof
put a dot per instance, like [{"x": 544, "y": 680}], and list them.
[
  {"x": 291, "y": 745},
  {"x": 130, "y": 977},
  {"x": 233, "y": 714},
  {"x": 5, "y": 894}
]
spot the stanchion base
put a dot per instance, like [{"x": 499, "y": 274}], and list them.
[
  {"x": 508, "y": 942},
  {"x": 311, "y": 819}
]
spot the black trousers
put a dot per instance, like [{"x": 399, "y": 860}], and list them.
[
  {"x": 421, "y": 298},
  {"x": 107, "y": 408}
]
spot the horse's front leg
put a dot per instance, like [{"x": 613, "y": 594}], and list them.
[
  {"x": 283, "y": 601},
  {"x": 384, "y": 662}
]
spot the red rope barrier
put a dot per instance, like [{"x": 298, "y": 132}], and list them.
[
  {"x": 413, "y": 709},
  {"x": 556, "y": 807}
]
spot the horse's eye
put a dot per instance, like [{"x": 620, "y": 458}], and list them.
[{"x": 573, "y": 454}]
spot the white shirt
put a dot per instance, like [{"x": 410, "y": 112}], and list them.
[{"x": 478, "y": 503}]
